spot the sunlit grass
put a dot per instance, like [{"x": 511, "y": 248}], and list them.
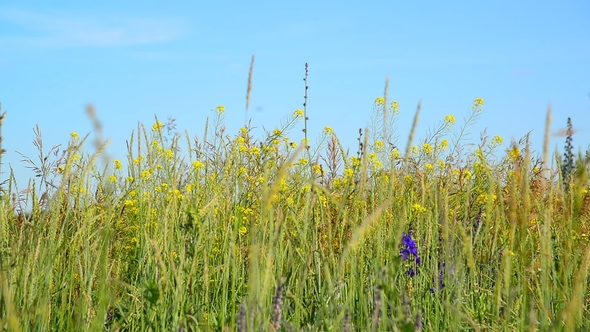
[{"x": 227, "y": 231}]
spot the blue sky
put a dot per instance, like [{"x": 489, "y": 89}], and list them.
[{"x": 133, "y": 61}]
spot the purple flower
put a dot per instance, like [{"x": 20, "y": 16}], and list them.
[
  {"x": 409, "y": 251},
  {"x": 409, "y": 248}
]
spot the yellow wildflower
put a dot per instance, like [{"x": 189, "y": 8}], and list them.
[
  {"x": 118, "y": 164},
  {"x": 348, "y": 172},
  {"x": 336, "y": 182},
  {"x": 220, "y": 109},
  {"x": 317, "y": 169},
  {"x": 419, "y": 209},
  {"x": 157, "y": 126},
  {"x": 243, "y": 230},
  {"x": 409, "y": 179},
  {"x": 298, "y": 113},
  {"x": 328, "y": 130},
  {"x": 113, "y": 178},
  {"x": 254, "y": 151},
  {"x": 449, "y": 119},
  {"x": 427, "y": 148},
  {"x": 514, "y": 153},
  {"x": 394, "y": 107},
  {"x": 497, "y": 140},
  {"x": 197, "y": 164},
  {"x": 177, "y": 193},
  {"x": 478, "y": 102},
  {"x": 378, "y": 146},
  {"x": 379, "y": 101},
  {"x": 74, "y": 135}
]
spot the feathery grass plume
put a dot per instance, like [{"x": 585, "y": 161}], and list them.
[
  {"x": 249, "y": 89},
  {"x": 277, "y": 306},
  {"x": 376, "y": 313},
  {"x": 418, "y": 322},
  {"x": 476, "y": 223},
  {"x": 346, "y": 324},
  {"x": 547, "y": 138},
  {"x": 412, "y": 133},
  {"x": 357, "y": 236},
  {"x": 567, "y": 165},
  {"x": 574, "y": 309},
  {"x": 406, "y": 306},
  {"x": 333, "y": 159},
  {"x": 241, "y": 320}
]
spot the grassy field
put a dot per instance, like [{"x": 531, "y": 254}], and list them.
[{"x": 225, "y": 231}]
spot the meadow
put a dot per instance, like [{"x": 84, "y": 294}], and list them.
[{"x": 229, "y": 232}]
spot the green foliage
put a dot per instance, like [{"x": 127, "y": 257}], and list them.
[{"x": 238, "y": 233}]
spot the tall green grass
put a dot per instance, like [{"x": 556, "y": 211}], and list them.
[{"x": 229, "y": 232}]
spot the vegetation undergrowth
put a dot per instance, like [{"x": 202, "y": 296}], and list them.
[{"x": 237, "y": 233}]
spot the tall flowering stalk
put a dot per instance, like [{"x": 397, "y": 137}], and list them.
[
  {"x": 277, "y": 304},
  {"x": 441, "y": 280},
  {"x": 568, "y": 156}
]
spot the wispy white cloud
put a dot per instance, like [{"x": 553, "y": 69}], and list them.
[{"x": 29, "y": 28}]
